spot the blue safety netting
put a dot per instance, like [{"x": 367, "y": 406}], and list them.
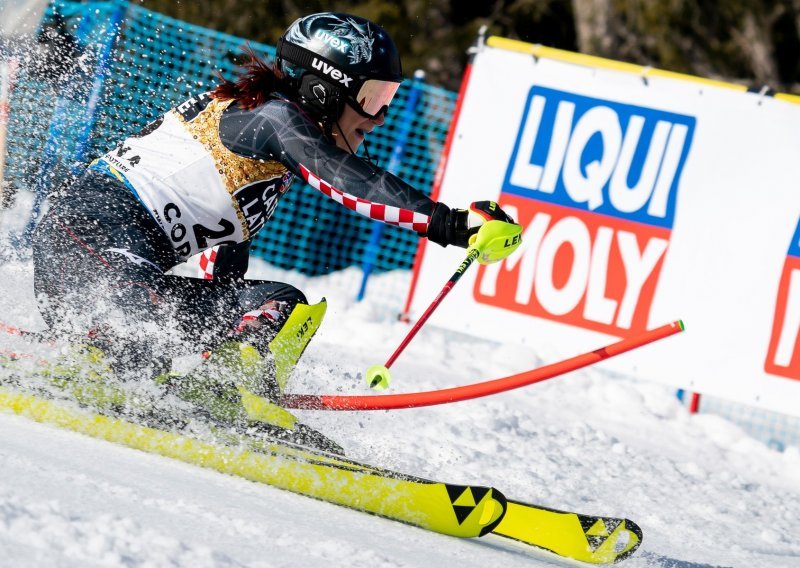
[{"x": 158, "y": 62}]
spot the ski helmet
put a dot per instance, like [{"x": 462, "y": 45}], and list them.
[{"x": 332, "y": 59}]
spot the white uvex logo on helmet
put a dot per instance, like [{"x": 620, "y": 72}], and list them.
[
  {"x": 333, "y": 41},
  {"x": 345, "y": 35},
  {"x": 359, "y": 36},
  {"x": 331, "y": 72}
]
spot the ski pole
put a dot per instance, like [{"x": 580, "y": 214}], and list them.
[{"x": 378, "y": 376}]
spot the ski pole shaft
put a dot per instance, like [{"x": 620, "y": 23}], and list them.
[
  {"x": 378, "y": 376},
  {"x": 472, "y": 254}
]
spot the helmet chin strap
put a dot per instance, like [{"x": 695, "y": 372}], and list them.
[
  {"x": 366, "y": 151},
  {"x": 327, "y": 128},
  {"x": 349, "y": 147}
]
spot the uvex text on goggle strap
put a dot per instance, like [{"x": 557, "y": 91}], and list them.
[{"x": 373, "y": 95}]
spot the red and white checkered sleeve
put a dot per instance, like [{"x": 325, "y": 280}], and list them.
[
  {"x": 207, "y": 259},
  {"x": 379, "y": 212}
]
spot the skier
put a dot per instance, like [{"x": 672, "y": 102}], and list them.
[{"x": 211, "y": 172}]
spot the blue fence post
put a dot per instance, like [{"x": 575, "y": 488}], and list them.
[
  {"x": 406, "y": 119},
  {"x": 112, "y": 32},
  {"x": 59, "y": 122}
]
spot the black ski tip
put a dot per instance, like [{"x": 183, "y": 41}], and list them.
[
  {"x": 634, "y": 528},
  {"x": 503, "y": 502},
  {"x": 477, "y": 495}
]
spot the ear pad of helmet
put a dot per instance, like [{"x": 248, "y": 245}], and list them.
[{"x": 322, "y": 96}]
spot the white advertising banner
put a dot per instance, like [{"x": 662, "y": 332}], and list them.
[
  {"x": 645, "y": 197},
  {"x": 20, "y": 17}
]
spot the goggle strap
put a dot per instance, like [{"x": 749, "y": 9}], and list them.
[{"x": 302, "y": 56}]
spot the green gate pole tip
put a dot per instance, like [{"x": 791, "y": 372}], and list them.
[{"x": 681, "y": 325}]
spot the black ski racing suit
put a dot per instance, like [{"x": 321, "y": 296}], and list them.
[{"x": 206, "y": 173}]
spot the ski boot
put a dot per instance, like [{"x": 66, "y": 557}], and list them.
[
  {"x": 84, "y": 374},
  {"x": 91, "y": 371},
  {"x": 239, "y": 386}
]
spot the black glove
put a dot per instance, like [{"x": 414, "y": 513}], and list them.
[{"x": 456, "y": 226}]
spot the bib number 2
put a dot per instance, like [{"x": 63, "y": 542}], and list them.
[{"x": 202, "y": 234}]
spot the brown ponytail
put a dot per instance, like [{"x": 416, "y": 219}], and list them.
[{"x": 251, "y": 89}]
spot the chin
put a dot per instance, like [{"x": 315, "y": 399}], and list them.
[{"x": 351, "y": 146}]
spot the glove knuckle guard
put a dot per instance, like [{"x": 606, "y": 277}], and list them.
[{"x": 460, "y": 227}]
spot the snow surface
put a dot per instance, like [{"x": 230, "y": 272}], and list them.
[{"x": 704, "y": 493}]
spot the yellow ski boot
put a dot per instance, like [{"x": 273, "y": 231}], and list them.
[{"x": 239, "y": 386}]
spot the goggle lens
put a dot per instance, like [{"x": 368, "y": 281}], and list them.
[{"x": 375, "y": 96}]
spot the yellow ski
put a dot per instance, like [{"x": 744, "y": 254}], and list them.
[
  {"x": 456, "y": 510},
  {"x": 597, "y": 540}
]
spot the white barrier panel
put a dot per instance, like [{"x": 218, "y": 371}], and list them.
[
  {"x": 645, "y": 197},
  {"x": 20, "y": 17}
]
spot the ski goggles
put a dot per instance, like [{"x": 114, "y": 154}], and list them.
[{"x": 374, "y": 97}]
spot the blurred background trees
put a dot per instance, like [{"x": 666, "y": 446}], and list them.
[{"x": 755, "y": 42}]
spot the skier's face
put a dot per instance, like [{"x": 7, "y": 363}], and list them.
[{"x": 350, "y": 129}]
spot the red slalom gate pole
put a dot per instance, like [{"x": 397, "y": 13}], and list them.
[{"x": 477, "y": 390}]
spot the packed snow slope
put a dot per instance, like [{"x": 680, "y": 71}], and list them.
[{"x": 703, "y": 492}]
